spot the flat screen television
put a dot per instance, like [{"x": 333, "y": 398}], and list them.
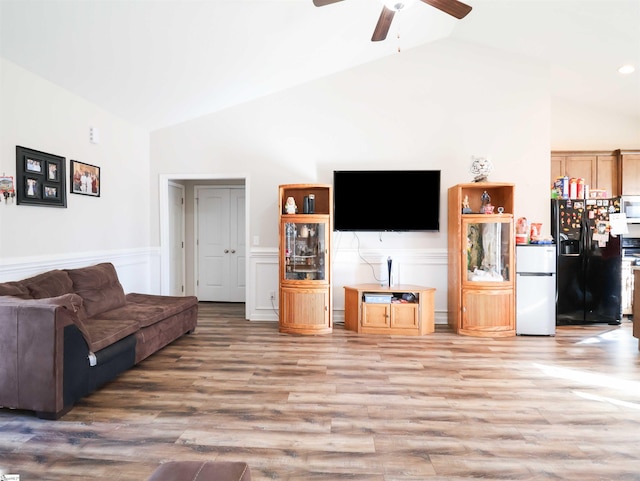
[{"x": 386, "y": 200}]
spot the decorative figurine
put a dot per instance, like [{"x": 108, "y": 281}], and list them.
[
  {"x": 481, "y": 168},
  {"x": 486, "y": 207},
  {"x": 290, "y": 206},
  {"x": 465, "y": 205}
]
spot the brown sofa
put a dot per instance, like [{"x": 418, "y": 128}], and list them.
[{"x": 65, "y": 333}]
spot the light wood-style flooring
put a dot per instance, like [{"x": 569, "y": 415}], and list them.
[{"x": 356, "y": 407}]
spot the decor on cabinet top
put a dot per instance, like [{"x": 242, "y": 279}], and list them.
[{"x": 481, "y": 167}]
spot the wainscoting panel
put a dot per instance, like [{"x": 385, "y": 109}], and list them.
[
  {"x": 264, "y": 280},
  {"x": 138, "y": 269},
  {"x": 426, "y": 267}
]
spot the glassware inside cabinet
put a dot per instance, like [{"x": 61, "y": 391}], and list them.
[
  {"x": 488, "y": 251},
  {"x": 304, "y": 251}
]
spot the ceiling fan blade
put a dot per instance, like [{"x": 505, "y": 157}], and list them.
[
  {"x": 452, "y": 7},
  {"x": 384, "y": 22},
  {"x": 322, "y": 3}
]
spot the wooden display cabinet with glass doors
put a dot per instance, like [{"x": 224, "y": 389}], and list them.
[
  {"x": 481, "y": 296},
  {"x": 304, "y": 258}
]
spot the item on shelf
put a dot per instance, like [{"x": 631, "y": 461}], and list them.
[
  {"x": 536, "y": 231},
  {"x": 290, "y": 207},
  {"x": 309, "y": 204},
  {"x": 522, "y": 226},
  {"x": 598, "y": 194},
  {"x": 486, "y": 207},
  {"x": 465, "y": 205}
]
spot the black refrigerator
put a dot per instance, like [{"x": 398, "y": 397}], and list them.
[{"x": 588, "y": 261}]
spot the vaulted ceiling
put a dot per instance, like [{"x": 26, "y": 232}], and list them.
[{"x": 157, "y": 63}]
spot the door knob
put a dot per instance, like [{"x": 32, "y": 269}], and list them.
[
  {"x": 233, "y": 251},
  {"x": 226, "y": 251}
]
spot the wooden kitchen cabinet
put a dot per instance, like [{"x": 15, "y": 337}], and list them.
[
  {"x": 304, "y": 259},
  {"x": 629, "y": 171},
  {"x": 481, "y": 251},
  {"x": 599, "y": 169}
]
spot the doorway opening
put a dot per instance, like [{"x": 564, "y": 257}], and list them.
[{"x": 168, "y": 229}]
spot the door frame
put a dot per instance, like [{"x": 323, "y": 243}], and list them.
[
  {"x": 180, "y": 186},
  {"x": 163, "y": 193}
]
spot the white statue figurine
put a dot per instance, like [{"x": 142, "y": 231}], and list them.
[{"x": 290, "y": 206}]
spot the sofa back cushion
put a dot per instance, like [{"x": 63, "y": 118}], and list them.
[
  {"x": 14, "y": 289},
  {"x": 52, "y": 283},
  {"x": 99, "y": 288}
]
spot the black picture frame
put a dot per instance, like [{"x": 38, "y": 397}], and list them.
[
  {"x": 41, "y": 178},
  {"x": 84, "y": 178}
]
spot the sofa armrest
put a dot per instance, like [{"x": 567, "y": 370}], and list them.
[{"x": 32, "y": 354}]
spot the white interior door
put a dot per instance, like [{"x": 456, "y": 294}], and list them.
[
  {"x": 220, "y": 243},
  {"x": 176, "y": 239}
]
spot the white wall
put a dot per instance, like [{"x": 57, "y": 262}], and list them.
[
  {"x": 39, "y": 115},
  {"x": 432, "y": 107},
  {"x": 576, "y": 127}
]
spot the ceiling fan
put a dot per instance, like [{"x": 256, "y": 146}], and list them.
[{"x": 452, "y": 7}]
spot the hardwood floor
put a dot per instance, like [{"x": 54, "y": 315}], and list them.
[{"x": 344, "y": 406}]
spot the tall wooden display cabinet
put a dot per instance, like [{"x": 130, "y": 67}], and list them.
[
  {"x": 305, "y": 267},
  {"x": 481, "y": 296}
]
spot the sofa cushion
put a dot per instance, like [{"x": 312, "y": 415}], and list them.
[
  {"x": 104, "y": 332},
  {"x": 48, "y": 284},
  {"x": 148, "y": 309},
  {"x": 14, "y": 289},
  {"x": 99, "y": 287}
]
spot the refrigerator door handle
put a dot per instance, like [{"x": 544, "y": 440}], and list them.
[{"x": 536, "y": 274}]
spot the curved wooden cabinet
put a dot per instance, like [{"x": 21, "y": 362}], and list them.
[
  {"x": 481, "y": 296},
  {"x": 304, "y": 265}
]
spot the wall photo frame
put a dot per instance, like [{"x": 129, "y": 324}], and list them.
[
  {"x": 40, "y": 178},
  {"x": 85, "y": 178}
]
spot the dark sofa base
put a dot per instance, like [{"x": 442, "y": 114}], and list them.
[{"x": 80, "y": 378}]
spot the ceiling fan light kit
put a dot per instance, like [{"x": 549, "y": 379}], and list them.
[
  {"x": 454, "y": 8},
  {"x": 397, "y": 5}
]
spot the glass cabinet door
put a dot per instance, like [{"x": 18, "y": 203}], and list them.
[
  {"x": 305, "y": 251},
  {"x": 488, "y": 256}
]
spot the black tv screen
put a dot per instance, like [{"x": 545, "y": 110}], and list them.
[{"x": 386, "y": 200}]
